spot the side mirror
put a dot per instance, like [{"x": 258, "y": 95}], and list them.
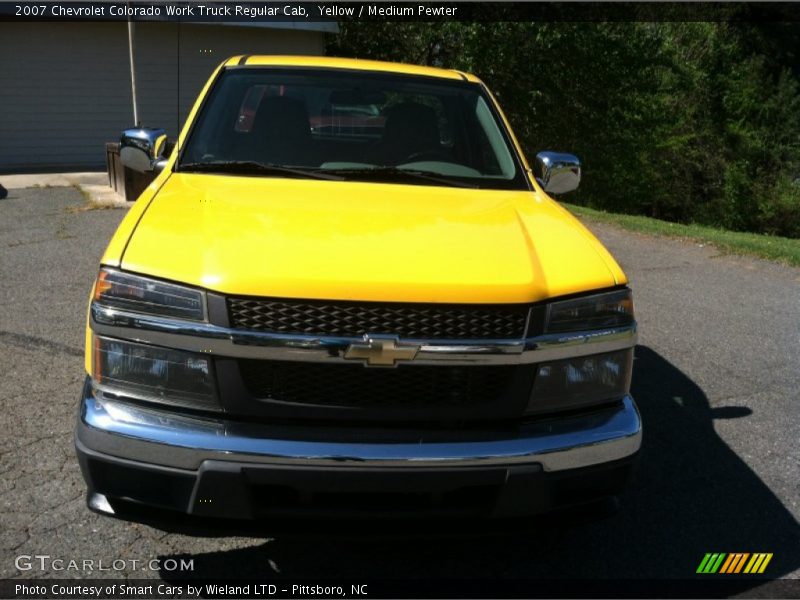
[
  {"x": 556, "y": 172},
  {"x": 143, "y": 149}
]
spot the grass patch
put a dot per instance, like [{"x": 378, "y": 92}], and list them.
[
  {"x": 91, "y": 202},
  {"x": 91, "y": 205},
  {"x": 785, "y": 250}
]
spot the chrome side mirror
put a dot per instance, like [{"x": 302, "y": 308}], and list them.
[
  {"x": 556, "y": 172},
  {"x": 143, "y": 149}
]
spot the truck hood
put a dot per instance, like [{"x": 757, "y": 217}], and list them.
[{"x": 366, "y": 241}]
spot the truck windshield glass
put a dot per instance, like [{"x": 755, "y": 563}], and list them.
[{"x": 351, "y": 126}]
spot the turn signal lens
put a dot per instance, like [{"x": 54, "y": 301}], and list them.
[{"x": 102, "y": 286}]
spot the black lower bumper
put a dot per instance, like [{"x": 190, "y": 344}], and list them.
[{"x": 236, "y": 490}]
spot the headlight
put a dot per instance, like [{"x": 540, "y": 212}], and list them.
[
  {"x": 582, "y": 381},
  {"x": 142, "y": 294},
  {"x": 156, "y": 374},
  {"x": 598, "y": 311}
]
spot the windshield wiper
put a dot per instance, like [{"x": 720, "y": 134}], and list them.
[
  {"x": 250, "y": 167},
  {"x": 394, "y": 174}
]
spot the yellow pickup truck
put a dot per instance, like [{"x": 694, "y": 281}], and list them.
[{"x": 347, "y": 293}]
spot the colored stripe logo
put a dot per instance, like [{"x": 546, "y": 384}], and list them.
[{"x": 734, "y": 562}]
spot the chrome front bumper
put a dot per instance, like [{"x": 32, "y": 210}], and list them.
[
  {"x": 164, "y": 438},
  {"x": 134, "y": 457}
]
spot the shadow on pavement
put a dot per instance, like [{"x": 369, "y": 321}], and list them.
[{"x": 690, "y": 494}]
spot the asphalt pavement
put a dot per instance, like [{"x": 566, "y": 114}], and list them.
[{"x": 716, "y": 377}]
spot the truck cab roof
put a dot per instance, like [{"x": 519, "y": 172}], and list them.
[{"x": 327, "y": 62}]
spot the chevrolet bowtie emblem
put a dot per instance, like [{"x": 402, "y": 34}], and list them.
[{"x": 380, "y": 352}]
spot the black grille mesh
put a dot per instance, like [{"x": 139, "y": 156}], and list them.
[
  {"x": 421, "y": 321},
  {"x": 363, "y": 387}
]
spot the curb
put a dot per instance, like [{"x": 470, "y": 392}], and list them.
[{"x": 93, "y": 185}]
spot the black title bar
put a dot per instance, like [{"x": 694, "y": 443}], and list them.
[{"x": 265, "y": 12}]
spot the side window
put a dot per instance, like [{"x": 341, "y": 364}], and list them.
[{"x": 492, "y": 148}]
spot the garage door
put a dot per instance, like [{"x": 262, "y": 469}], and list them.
[{"x": 65, "y": 88}]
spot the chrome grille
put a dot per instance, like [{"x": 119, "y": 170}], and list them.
[{"x": 354, "y": 319}]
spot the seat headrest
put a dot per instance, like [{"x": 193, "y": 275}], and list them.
[
  {"x": 410, "y": 128},
  {"x": 280, "y": 117},
  {"x": 412, "y": 120}
]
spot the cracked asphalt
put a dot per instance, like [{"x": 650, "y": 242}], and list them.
[{"x": 717, "y": 377}]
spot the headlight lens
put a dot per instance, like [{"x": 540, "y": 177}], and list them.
[
  {"x": 157, "y": 374},
  {"x": 598, "y": 311},
  {"x": 145, "y": 295},
  {"x": 578, "y": 382}
]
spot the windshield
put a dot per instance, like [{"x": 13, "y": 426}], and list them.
[{"x": 345, "y": 125}]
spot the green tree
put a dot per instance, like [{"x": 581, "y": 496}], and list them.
[{"x": 692, "y": 122}]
